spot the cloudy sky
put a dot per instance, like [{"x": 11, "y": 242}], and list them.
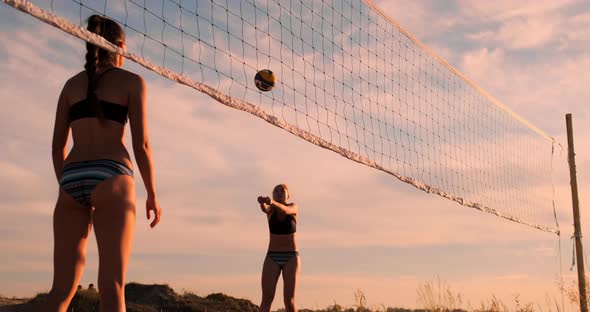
[{"x": 359, "y": 228}]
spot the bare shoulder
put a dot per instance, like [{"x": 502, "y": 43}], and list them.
[
  {"x": 133, "y": 78},
  {"x": 74, "y": 83},
  {"x": 128, "y": 74},
  {"x": 293, "y": 205},
  {"x": 77, "y": 79}
]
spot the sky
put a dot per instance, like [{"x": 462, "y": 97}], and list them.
[{"x": 358, "y": 228}]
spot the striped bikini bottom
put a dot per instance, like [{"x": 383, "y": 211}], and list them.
[
  {"x": 281, "y": 257},
  {"x": 79, "y": 179}
]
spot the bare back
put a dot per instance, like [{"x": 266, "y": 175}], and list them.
[{"x": 94, "y": 138}]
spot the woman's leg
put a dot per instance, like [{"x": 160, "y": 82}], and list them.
[
  {"x": 270, "y": 276},
  {"x": 114, "y": 223},
  {"x": 71, "y": 226},
  {"x": 290, "y": 276}
]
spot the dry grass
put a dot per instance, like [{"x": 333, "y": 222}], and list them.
[
  {"x": 571, "y": 292},
  {"x": 432, "y": 296},
  {"x": 439, "y": 297}
]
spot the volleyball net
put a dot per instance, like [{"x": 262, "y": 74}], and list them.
[{"x": 350, "y": 79}]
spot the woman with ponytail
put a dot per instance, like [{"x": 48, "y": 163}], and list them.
[{"x": 96, "y": 185}]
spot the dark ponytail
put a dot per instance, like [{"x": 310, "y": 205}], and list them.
[
  {"x": 96, "y": 56},
  {"x": 95, "y": 23}
]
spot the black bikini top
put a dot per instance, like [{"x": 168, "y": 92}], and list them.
[
  {"x": 286, "y": 226},
  {"x": 111, "y": 111}
]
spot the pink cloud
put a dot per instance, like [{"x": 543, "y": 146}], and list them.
[
  {"x": 520, "y": 33},
  {"x": 508, "y": 9},
  {"x": 417, "y": 17}
]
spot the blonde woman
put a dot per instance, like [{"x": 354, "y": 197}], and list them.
[{"x": 282, "y": 256}]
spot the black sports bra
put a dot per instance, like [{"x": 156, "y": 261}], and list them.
[
  {"x": 111, "y": 111},
  {"x": 286, "y": 226}
]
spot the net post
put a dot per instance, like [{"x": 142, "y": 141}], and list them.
[{"x": 576, "y": 207}]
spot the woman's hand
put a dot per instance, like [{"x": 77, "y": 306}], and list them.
[
  {"x": 264, "y": 200},
  {"x": 264, "y": 203},
  {"x": 151, "y": 204}
]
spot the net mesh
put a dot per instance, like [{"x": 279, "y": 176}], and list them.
[{"x": 350, "y": 79}]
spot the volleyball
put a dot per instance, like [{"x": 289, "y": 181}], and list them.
[{"x": 265, "y": 80}]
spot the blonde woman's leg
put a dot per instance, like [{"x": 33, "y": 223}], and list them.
[
  {"x": 270, "y": 275},
  {"x": 290, "y": 276}
]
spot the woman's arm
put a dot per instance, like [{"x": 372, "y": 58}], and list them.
[
  {"x": 141, "y": 145},
  {"x": 139, "y": 135},
  {"x": 61, "y": 132},
  {"x": 290, "y": 209}
]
